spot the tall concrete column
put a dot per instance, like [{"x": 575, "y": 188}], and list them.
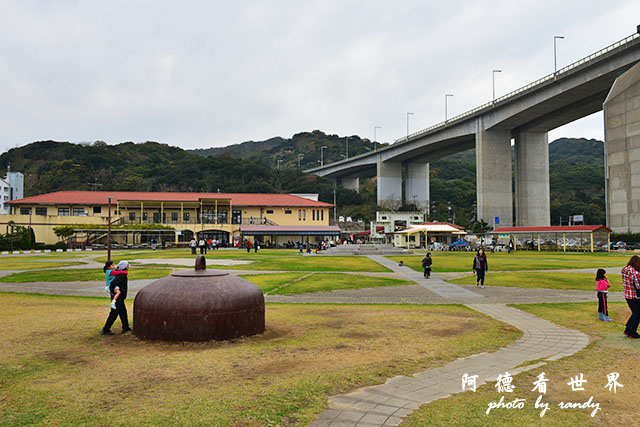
[
  {"x": 351, "y": 183},
  {"x": 417, "y": 184},
  {"x": 493, "y": 175},
  {"x": 389, "y": 184},
  {"x": 622, "y": 152},
  {"x": 532, "y": 179}
]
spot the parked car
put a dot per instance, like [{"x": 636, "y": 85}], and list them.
[{"x": 627, "y": 245}]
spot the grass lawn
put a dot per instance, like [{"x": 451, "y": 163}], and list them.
[
  {"x": 32, "y": 263},
  {"x": 220, "y": 253},
  {"x": 59, "y": 370},
  {"x": 81, "y": 275},
  {"x": 580, "y": 281},
  {"x": 608, "y": 352},
  {"x": 463, "y": 261},
  {"x": 311, "y": 263},
  {"x": 296, "y": 283}
]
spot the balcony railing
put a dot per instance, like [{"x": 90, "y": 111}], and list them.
[{"x": 198, "y": 221}]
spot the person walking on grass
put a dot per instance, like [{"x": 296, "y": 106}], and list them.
[
  {"x": 631, "y": 285},
  {"x": 118, "y": 290},
  {"x": 602, "y": 286},
  {"x": 426, "y": 265},
  {"x": 480, "y": 266}
]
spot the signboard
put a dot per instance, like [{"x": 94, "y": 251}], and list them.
[
  {"x": 578, "y": 218},
  {"x": 497, "y": 220}
]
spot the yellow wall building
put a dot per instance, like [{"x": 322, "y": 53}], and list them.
[{"x": 226, "y": 217}]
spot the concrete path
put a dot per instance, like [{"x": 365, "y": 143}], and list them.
[
  {"x": 437, "y": 286},
  {"x": 388, "y": 403}
]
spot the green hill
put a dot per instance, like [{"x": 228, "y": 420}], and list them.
[{"x": 576, "y": 172}]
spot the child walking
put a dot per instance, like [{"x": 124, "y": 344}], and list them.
[{"x": 602, "y": 285}]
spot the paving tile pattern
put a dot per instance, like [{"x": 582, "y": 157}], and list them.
[{"x": 386, "y": 404}]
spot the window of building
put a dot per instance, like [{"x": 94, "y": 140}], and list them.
[
  {"x": 322, "y": 215},
  {"x": 236, "y": 216},
  {"x": 25, "y": 211},
  {"x": 287, "y": 211},
  {"x": 144, "y": 216},
  {"x": 79, "y": 212},
  {"x": 97, "y": 209},
  {"x": 269, "y": 211},
  {"x": 63, "y": 211},
  {"x": 299, "y": 214},
  {"x": 41, "y": 211},
  {"x": 186, "y": 216},
  {"x": 314, "y": 214},
  {"x": 304, "y": 214},
  {"x": 174, "y": 216},
  {"x": 132, "y": 216}
]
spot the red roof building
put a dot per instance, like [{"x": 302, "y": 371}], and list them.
[{"x": 227, "y": 217}]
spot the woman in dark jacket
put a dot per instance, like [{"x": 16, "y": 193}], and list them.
[
  {"x": 121, "y": 284},
  {"x": 480, "y": 266}
]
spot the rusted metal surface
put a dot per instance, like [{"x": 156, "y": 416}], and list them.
[{"x": 198, "y": 305}]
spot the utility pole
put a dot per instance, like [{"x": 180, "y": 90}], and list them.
[{"x": 94, "y": 184}]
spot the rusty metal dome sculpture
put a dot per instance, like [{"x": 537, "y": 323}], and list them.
[{"x": 198, "y": 305}]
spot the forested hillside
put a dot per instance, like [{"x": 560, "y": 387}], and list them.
[{"x": 576, "y": 172}]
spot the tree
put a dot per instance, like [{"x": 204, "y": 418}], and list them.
[{"x": 64, "y": 232}]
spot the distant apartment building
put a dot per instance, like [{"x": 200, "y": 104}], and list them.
[{"x": 11, "y": 188}]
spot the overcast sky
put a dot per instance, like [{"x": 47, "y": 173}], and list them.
[{"x": 198, "y": 74}]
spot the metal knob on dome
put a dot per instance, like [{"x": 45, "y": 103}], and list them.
[{"x": 198, "y": 305}]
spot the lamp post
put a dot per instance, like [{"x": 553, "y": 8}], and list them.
[
  {"x": 109, "y": 230},
  {"x": 494, "y": 84},
  {"x": 347, "y": 156},
  {"x": 30, "y": 229},
  {"x": 555, "y": 59},
  {"x": 300, "y": 156},
  {"x": 446, "y": 98},
  {"x": 408, "y": 114},
  {"x": 375, "y": 143},
  {"x": 322, "y": 155}
]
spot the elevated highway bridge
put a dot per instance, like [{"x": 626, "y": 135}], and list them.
[{"x": 525, "y": 115}]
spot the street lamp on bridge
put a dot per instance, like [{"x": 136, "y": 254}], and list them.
[
  {"x": 446, "y": 98},
  {"x": 494, "y": 84},
  {"x": 322, "y": 155},
  {"x": 408, "y": 114},
  {"x": 347, "y": 155},
  {"x": 375, "y": 143},
  {"x": 300, "y": 156},
  {"x": 555, "y": 60}
]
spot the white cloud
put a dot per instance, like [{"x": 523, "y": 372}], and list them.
[{"x": 201, "y": 74}]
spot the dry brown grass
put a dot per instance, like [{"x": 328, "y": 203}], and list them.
[{"x": 55, "y": 367}]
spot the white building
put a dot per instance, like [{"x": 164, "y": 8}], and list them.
[
  {"x": 11, "y": 188},
  {"x": 393, "y": 222}
]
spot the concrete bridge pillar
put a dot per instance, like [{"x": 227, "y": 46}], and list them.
[
  {"x": 532, "y": 179},
  {"x": 493, "y": 175},
  {"x": 417, "y": 185},
  {"x": 351, "y": 183},
  {"x": 622, "y": 152},
  {"x": 389, "y": 184}
]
